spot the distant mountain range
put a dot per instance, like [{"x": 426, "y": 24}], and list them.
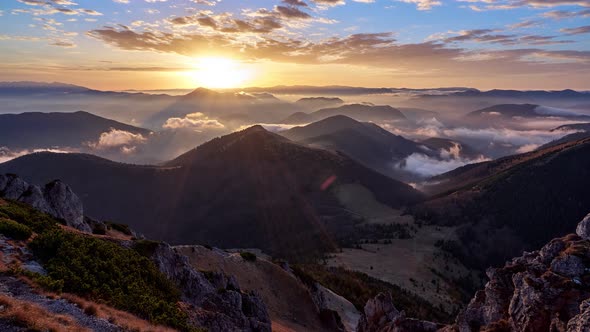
[
  {"x": 228, "y": 107},
  {"x": 524, "y": 111},
  {"x": 24, "y": 87},
  {"x": 247, "y": 189},
  {"x": 497, "y": 93},
  {"x": 315, "y": 103},
  {"x": 359, "y": 112},
  {"x": 49, "y": 130},
  {"x": 56, "y": 89}
]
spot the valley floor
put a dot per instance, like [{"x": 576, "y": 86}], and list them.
[{"x": 415, "y": 264}]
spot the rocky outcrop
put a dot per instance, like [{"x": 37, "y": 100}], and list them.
[
  {"x": 544, "y": 290},
  {"x": 336, "y": 312},
  {"x": 583, "y": 229},
  {"x": 380, "y": 315},
  {"x": 539, "y": 291},
  {"x": 55, "y": 198},
  {"x": 216, "y": 301}
]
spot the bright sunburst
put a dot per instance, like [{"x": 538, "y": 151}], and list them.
[{"x": 220, "y": 73}]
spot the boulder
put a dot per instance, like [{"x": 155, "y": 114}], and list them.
[
  {"x": 217, "y": 301},
  {"x": 581, "y": 322},
  {"x": 380, "y": 315},
  {"x": 583, "y": 229},
  {"x": 65, "y": 204},
  {"x": 56, "y": 199}
]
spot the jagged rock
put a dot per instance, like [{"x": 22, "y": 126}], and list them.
[
  {"x": 56, "y": 199},
  {"x": 540, "y": 291},
  {"x": 65, "y": 205},
  {"x": 336, "y": 312},
  {"x": 581, "y": 322},
  {"x": 550, "y": 251},
  {"x": 34, "y": 266},
  {"x": 35, "y": 198},
  {"x": 14, "y": 187},
  {"x": 4, "y": 179},
  {"x": 583, "y": 228},
  {"x": 568, "y": 265},
  {"x": 217, "y": 301},
  {"x": 380, "y": 315},
  {"x": 544, "y": 290}
]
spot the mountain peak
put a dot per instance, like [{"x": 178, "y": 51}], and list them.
[
  {"x": 202, "y": 92},
  {"x": 254, "y": 129},
  {"x": 248, "y": 143}
]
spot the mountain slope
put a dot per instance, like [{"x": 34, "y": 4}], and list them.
[
  {"x": 523, "y": 111},
  {"x": 367, "y": 143},
  {"x": 315, "y": 103},
  {"x": 362, "y": 112},
  {"x": 247, "y": 189},
  {"x": 39, "y": 88},
  {"x": 359, "y": 112},
  {"x": 46, "y": 130},
  {"x": 516, "y": 94},
  {"x": 577, "y": 131},
  {"x": 512, "y": 204}
]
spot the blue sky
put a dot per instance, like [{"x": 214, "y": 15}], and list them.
[{"x": 488, "y": 43}]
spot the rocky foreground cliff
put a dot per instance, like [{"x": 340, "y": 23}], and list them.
[
  {"x": 544, "y": 290},
  {"x": 76, "y": 274},
  {"x": 55, "y": 198}
]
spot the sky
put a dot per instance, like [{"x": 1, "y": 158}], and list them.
[{"x": 160, "y": 44}]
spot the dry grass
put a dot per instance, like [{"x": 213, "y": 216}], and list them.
[
  {"x": 111, "y": 235},
  {"x": 120, "y": 318},
  {"x": 34, "y": 317}
]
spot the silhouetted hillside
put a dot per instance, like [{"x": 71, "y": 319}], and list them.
[
  {"x": 362, "y": 112},
  {"x": 524, "y": 111},
  {"x": 367, "y": 143},
  {"x": 40, "y": 88},
  {"x": 315, "y": 103},
  {"x": 247, "y": 189},
  {"x": 496, "y": 93},
  {"x": 512, "y": 204},
  {"x": 46, "y": 130},
  {"x": 359, "y": 112}
]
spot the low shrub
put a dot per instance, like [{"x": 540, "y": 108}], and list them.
[
  {"x": 122, "y": 228},
  {"x": 99, "y": 229},
  {"x": 23, "y": 214},
  {"x": 101, "y": 270},
  {"x": 14, "y": 230},
  {"x": 248, "y": 256},
  {"x": 146, "y": 248}
]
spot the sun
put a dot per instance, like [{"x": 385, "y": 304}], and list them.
[{"x": 220, "y": 73}]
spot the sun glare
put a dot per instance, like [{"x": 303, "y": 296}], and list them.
[{"x": 220, "y": 73}]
